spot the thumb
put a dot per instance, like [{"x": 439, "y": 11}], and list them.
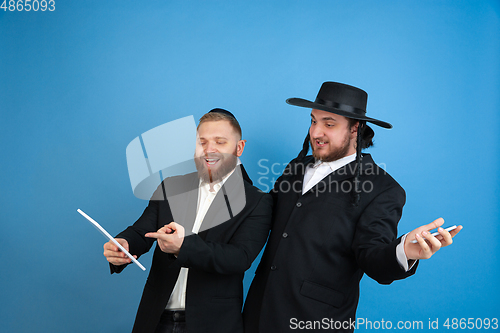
[
  {"x": 172, "y": 225},
  {"x": 165, "y": 230},
  {"x": 122, "y": 242}
]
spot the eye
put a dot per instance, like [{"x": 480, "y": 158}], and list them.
[
  {"x": 313, "y": 121},
  {"x": 330, "y": 125},
  {"x": 221, "y": 142}
]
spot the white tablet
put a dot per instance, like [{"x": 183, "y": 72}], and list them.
[{"x": 105, "y": 233}]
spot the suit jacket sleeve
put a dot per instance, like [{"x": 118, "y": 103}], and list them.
[
  {"x": 376, "y": 237},
  {"x": 134, "y": 234},
  {"x": 237, "y": 255}
]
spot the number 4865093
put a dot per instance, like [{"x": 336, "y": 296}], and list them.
[{"x": 28, "y": 5}]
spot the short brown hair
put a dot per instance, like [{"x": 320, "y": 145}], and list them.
[{"x": 216, "y": 116}]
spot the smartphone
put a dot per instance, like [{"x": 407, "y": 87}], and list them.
[{"x": 437, "y": 233}]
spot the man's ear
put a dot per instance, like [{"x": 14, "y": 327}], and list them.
[
  {"x": 240, "y": 147},
  {"x": 354, "y": 130}
]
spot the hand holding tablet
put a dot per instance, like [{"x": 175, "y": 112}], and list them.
[{"x": 107, "y": 235}]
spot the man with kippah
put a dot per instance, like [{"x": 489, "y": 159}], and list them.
[
  {"x": 209, "y": 227},
  {"x": 335, "y": 218}
]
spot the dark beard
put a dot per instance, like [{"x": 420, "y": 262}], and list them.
[
  {"x": 226, "y": 163},
  {"x": 334, "y": 155}
]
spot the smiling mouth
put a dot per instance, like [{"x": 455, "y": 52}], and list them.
[
  {"x": 320, "y": 143},
  {"x": 211, "y": 161}
]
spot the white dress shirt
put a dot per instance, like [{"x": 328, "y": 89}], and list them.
[
  {"x": 206, "y": 195},
  {"x": 319, "y": 170}
]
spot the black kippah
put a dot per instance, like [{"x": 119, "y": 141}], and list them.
[{"x": 227, "y": 113}]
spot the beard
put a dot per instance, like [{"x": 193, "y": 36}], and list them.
[
  {"x": 335, "y": 153},
  {"x": 226, "y": 163}
]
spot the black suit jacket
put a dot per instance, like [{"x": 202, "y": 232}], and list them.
[
  {"x": 321, "y": 245},
  {"x": 217, "y": 256}
]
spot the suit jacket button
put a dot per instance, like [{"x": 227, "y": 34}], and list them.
[
  {"x": 299, "y": 204},
  {"x": 273, "y": 267},
  {"x": 285, "y": 235}
]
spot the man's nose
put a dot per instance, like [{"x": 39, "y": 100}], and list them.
[
  {"x": 316, "y": 132},
  {"x": 210, "y": 148}
]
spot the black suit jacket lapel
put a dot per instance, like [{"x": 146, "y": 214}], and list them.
[
  {"x": 183, "y": 201},
  {"x": 229, "y": 201},
  {"x": 336, "y": 177},
  {"x": 334, "y": 180}
]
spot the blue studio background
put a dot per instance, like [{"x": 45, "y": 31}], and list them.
[{"x": 79, "y": 83}]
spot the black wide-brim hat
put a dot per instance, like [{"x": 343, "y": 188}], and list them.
[{"x": 341, "y": 99}]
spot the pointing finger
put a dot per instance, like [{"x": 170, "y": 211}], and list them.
[
  {"x": 152, "y": 235},
  {"x": 158, "y": 235}
]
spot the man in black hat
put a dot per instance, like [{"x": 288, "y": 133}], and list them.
[
  {"x": 335, "y": 218},
  {"x": 209, "y": 227}
]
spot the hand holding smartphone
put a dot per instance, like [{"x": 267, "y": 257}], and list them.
[{"x": 437, "y": 233}]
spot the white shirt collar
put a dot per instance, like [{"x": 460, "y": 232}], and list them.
[
  {"x": 319, "y": 170},
  {"x": 335, "y": 165}
]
